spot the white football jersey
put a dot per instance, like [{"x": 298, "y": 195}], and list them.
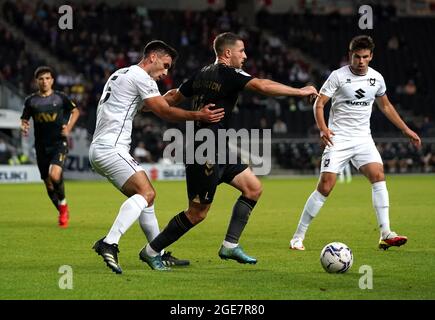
[
  {"x": 122, "y": 96},
  {"x": 352, "y": 100}
]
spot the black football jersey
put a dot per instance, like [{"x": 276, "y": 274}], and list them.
[
  {"x": 49, "y": 115},
  {"x": 219, "y": 84}
]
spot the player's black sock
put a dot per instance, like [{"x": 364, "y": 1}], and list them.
[
  {"x": 178, "y": 226},
  {"x": 53, "y": 197},
  {"x": 59, "y": 189},
  {"x": 241, "y": 212}
]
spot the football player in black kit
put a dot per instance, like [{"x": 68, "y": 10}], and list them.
[
  {"x": 218, "y": 83},
  {"x": 54, "y": 115}
]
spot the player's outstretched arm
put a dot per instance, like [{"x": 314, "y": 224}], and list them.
[
  {"x": 390, "y": 112},
  {"x": 318, "y": 109},
  {"x": 162, "y": 109},
  {"x": 173, "y": 97},
  {"x": 271, "y": 88},
  {"x": 66, "y": 128}
]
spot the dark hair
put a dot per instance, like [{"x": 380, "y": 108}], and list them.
[
  {"x": 43, "y": 69},
  {"x": 361, "y": 43},
  {"x": 160, "y": 47},
  {"x": 224, "y": 40}
]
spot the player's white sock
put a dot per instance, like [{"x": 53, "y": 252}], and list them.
[
  {"x": 149, "y": 224},
  {"x": 62, "y": 202},
  {"x": 348, "y": 173},
  {"x": 341, "y": 177},
  {"x": 381, "y": 203},
  {"x": 150, "y": 251},
  {"x": 229, "y": 245},
  {"x": 312, "y": 207},
  {"x": 128, "y": 214}
]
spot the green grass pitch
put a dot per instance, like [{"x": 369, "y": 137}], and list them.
[{"x": 33, "y": 248}]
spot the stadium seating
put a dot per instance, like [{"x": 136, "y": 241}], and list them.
[{"x": 106, "y": 38}]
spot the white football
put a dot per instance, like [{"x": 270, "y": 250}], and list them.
[{"x": 336, "y": 257}]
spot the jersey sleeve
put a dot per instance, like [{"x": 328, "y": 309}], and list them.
[
  {"x": 27, "y": 111},
  {"x": 147, "y": 88},
  {"x": 186, "y": 88},
  {"x": 382, "y": 87},
  {"x": 331, "y": 85},
  {"x": 239, "y": 78},
  {"x": 68, "y": 104}
]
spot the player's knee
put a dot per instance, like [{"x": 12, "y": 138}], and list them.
[
  {"x": 149, "y": 196},
  {"x": 326, "y": 184},
  {"x": 197, "y": 214},
  {"x": 325, "y": 188},
  {"x": 198, "y": 217},
  {"x": 254, "y": 192},
  {"x": 377, "y": 176},
  {"x": 55, "y": 177}
]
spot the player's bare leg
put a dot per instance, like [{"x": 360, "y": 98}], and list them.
[
  {"x": 51, "y": 193},
  {"x": 55, "y": 179},
  {"x": 375, "y": 174}
]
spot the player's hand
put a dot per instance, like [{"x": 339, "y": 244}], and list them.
[
  {"x": 65, "y": 130},
  {"x": 326, "y": 137},
  {"x": 415, "y": 139},
  {"x": 25, "y": 126},
  {"x": 208, "y": 115},
  {"x": 310, "y": 92}
]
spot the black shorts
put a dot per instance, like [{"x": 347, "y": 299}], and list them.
[
  {"x": 202, "y": 180},
  {"x": 47, "y": 155}
]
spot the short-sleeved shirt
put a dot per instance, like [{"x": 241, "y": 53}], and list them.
[
  {"x": 219, "y": 84},
  {"x": 49, "y": 114},
  {"x": 352, "y": 100},
  {"x": 122, "y": 96}
]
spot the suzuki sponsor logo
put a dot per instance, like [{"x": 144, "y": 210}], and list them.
[
  {"x": 13, "y": 175},
  {"x": 359, "y": 93},
  {"x": 358, "y": 103}
]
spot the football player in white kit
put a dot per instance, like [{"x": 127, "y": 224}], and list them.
[
  {"x": 353, "y": 89},
  {"x": 127, "y": 91}
]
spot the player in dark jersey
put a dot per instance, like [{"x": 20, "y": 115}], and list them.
[
  {"x": 219, "y": 83},
  {"x": 54, "y": 115}
]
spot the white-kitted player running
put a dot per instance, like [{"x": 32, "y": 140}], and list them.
[
  {"x": 353, "y": 89},
  {"x": 127, "y": 91}
]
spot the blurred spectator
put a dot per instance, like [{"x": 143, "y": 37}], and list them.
[
  {"x": 263, "y": 123},
  {"x": 141, "y": 154},
  {"x": 393, "y": 43},
  {"x": 388, "y": 154},
  {"x": 98, "y": 45},
  {"x": 410, "y": 88},
  {"x": 4, "y": 152},
  {"x": 427, "y": 128},
  {"x": 279, "y": 127},
  {"x": 18, "y": 158},
  {"x": 404, "y": 156},
  {"x": 313, "y": 131},
  {"x": 428, "y": 159}
]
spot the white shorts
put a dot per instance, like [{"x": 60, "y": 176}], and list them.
[
  {"x": 114, "y": 163},
  {"x": 358, "y": 150}
]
